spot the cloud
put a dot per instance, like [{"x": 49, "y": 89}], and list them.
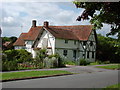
[
  {"x": 17, "y": 16},
  {"x": 37, "y": 0},
  {"x": 105, "y": 29},
  {"x": 8, "y": 19}
]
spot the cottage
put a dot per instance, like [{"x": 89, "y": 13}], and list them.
[{"x": 71, "y": 42}]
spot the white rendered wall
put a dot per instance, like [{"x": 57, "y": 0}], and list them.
[{"x": 50, "y": 41}]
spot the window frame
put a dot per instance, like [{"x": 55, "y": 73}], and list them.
[
  {"x": 75, "y": 54},
  {"x": 75, "y": 42},
  {"x": 66, "y": 41},
  {"x": 65, "y": 52},
  {"x": 93, "y": 55},
  {"x": 88, "y": 54}
]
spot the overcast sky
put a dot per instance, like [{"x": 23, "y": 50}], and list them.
[{"x": 16, "y": 17}]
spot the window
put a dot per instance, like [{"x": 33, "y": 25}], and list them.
[
  {"x": 91, "y": 43},
  {"x": 65, "y": 52},
  {"x": 84, "y": 42},
  {"x": 93, "y": 55},
  {"x": 74, "y": 42},
  {"x": 83, "y": 55},
  {"x": 87, "y": 54},
  {"x": 74, "y": 53},
  {"x": 66, "y": 41}
]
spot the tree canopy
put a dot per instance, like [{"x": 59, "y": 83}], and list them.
[
  {"x": 108, "y": 13},
  {"x": 108, "y": 49}
]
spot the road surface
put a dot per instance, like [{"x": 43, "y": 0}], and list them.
[{"x": 87, "y": 77}]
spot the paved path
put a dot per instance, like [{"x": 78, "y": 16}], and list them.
[
  {"x": 88, "y": 77},
  {"x": 70, "y": 68}
]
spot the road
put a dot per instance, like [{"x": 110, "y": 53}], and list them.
[{"x": 88, "y": 77}]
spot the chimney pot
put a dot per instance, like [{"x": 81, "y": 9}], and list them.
[
  {"x": 33, "y": 23},
  {"x": 46, "y": 24}
]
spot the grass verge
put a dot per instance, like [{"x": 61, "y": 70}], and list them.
[
  {"x": 31, "y": 74},
  {"x": 110, "y": 66},
  {"x": 114, "y": 86}
]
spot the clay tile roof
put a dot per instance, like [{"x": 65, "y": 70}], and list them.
[
  {"x": 6, "y": 43},
  {"x": 31, "y": 35},
  {"x": 20, "y": 40},
  {"x": 77, "y": 32},
  {"x": 62, "y": 33}
]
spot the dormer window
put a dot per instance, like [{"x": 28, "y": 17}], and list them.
[{"x": 66, "y": 41}]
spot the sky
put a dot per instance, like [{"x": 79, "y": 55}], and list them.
[{"x": 16, "y": 17}]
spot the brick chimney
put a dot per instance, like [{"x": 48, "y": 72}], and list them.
[
  {"x": 46, "y": 24},
  {"x": 33, "y": 23}
]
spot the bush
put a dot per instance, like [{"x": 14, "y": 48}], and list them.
[
  {"x": 61, "y": 62},
  {"x": 11, "y": 58},
  {"x": 69, "y": 62},
  {"x": 98, "y": 61},
  {"x": 51, "y": 62},
  {"x": 23, "y": 56},
  {"x": 58, "y": 62},
  {"x": 106, "y": 62},
  {"x": 84, "y": 62},
  {"x": 11, "y": 54},
  {"x": 9, "y": 66}
]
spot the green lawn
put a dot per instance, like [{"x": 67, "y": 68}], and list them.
[
  {"x": 114, "y": 86},
  {"x": 110, "y": 66},
  {"x": 27, "y": 74}
]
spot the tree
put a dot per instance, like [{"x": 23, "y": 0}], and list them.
[
  {"x": 10, "y": 45},
  {"x": 109, "y": 13},
  {"x": 13, "y": 39},
  {"x": 108, "y": 49},
  {"x": 4, "y": 39},
  {"x": 40, "y": 56}
]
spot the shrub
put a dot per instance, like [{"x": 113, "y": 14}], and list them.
[
  {"x": 61, "y": 62},
  {"x": 41, "y": 54},
  {"x": 98, "y": 61},
  {"x": 23, "y": 56},
  {"x": 84, "y": 62},
  {"x": 51, "y": 62},
  {"x": 106, "y": 62},
  {"x": 69, "y": 62},
  {"x": 56, "y": 60},
  {"x": 9, "y": 66},
  {"x": 4, "y": 57},
  {"x": 11, "y": 54},
  {"x": 11, "y": 58}
]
